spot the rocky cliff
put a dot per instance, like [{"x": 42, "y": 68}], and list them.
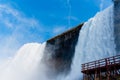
[{"x": 62, "y": 48}]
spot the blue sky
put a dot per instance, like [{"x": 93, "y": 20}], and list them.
[{"x": 25, "y": 21}]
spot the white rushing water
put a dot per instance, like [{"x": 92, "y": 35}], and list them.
[
  {"x": 25, "y": 63},
  {"x": 96, "y": 41}
]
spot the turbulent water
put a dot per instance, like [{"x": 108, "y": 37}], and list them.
[{"x": 95, "y": 41}]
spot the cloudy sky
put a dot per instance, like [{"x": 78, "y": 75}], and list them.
[{"x": 25, "y": 21}]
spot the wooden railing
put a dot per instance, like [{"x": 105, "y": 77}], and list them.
[{"x": 101, "y": 63}]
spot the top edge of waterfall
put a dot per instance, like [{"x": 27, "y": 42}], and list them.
[
  {"x": 110, "y": 8},
  {"x": 33, "y": 44}
]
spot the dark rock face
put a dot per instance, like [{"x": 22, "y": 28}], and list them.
[
  {"x": 117, "y": 25},
  {"x": 61, "y": 49}
]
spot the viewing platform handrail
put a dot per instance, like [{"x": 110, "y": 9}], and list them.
[{"x": 102, "y": 62}]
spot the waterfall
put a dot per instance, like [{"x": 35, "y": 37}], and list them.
[
  {"x": 25, "y": 63},
  {"x": 96, "y": 41}
]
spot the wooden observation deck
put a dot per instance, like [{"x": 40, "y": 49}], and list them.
[{"x": 103, "y": 69}]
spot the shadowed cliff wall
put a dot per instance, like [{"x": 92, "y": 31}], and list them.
[
  {"x": 61, "y": 49},
  {"x": 117, "y": 24}
]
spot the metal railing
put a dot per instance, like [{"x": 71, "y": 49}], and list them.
[{"x": 101, "y": 63}]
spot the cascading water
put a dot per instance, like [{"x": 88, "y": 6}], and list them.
[
  {"x": 96, "y": 41},
  {"x": 24, "y": 65}
]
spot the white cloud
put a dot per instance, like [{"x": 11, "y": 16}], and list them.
[
  {"x": 12, "y": 17},
  {"x": 59, "y": 29},
  {"x": 15, "y": 29},
  {"x": 101, "y": 5},
  {"x": 73, "y": 18}
]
